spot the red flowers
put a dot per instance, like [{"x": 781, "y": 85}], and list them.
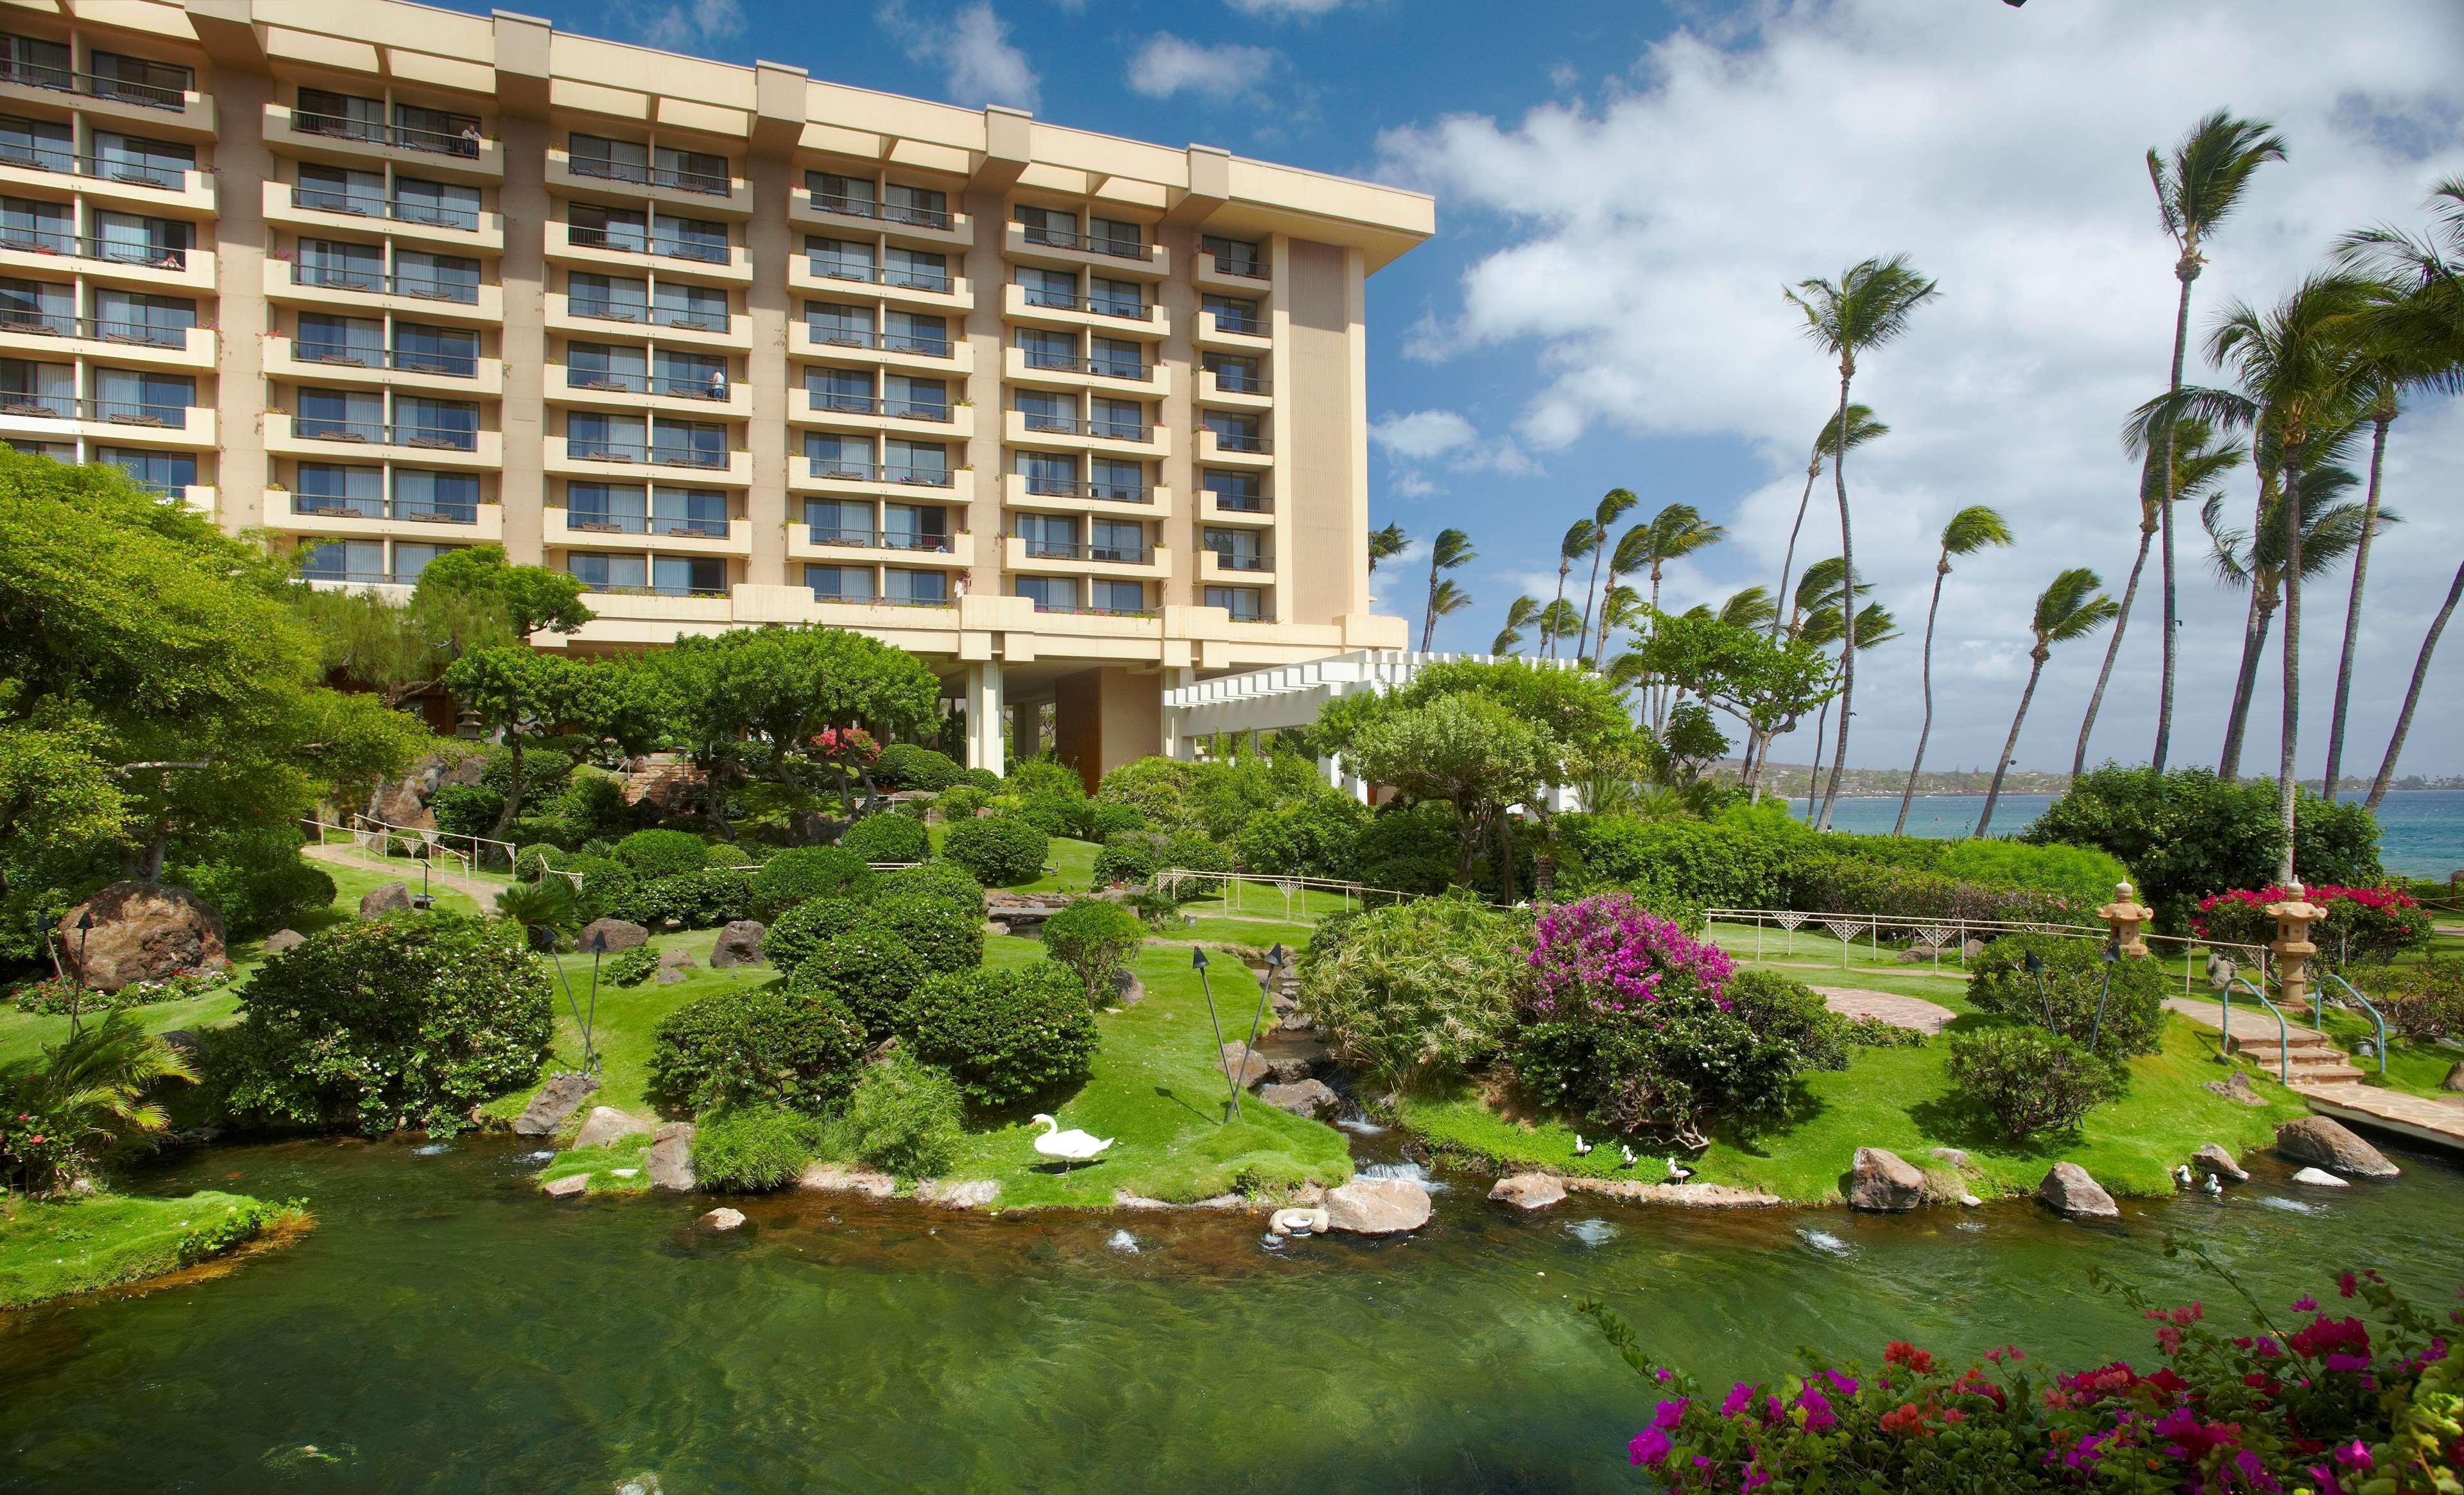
[{"x": 1899, "y": 1351}]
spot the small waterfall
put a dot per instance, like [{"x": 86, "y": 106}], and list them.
[
  {"x": 1407, "y": 1170},
  {"x": 1123, "y": 1241}
]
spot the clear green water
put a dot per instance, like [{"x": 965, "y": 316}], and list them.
[{"x": 444, "y": 1329}]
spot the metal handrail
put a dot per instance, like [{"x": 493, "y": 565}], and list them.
[
  {"x": 69, "y": 325},
  {"x": 324, "y": 506},
  {"x": 1071, "y": 550},
  {"x": 1246, "y": 443},
  {"x": 608, "y": 169},
  {"x": 826, "y": 403},
  {"x": 625, "y": 381},
  {"x": 2284, "y": 1029},
  {"x": 112, "y": 251},
  {"x": 2317, "y": 1013},
  {"x": 928, "y": 347},
  {"x": 1230, "y": 561},
  {"x": 361, "y": 205},
  {"x": 425, "y": 288},
  {"x": 1040, "y": 423},
  {"x": 1038, "y": 297},
  {"x": 136, "y": 171},
  {"x": 609, "y": 521},
  {"x": 95, "y": 85},
  {"x": 438, "y": 438},
  {"x": 1246, "y": 326},
  {"x": 862, "y": 473},
  {"x": 880, "y": 212},
  {"x": 457, "y": 365},
  {"x": 654, "y": 452},
  {"x": 663, "y": 246},
  {"x": 1070, "y": 239},
  {"x": 1071, "y": 362},
  {"x": 400, "y": 137},
  {"x": 940, "y": 284},
  {"x": 1108, "y": 492}
]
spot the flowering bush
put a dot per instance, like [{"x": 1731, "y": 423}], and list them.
[
  {"x": 53, "y": 995},
  {"x": 2363, "y": 924},
  {"x": 1608, "y": 954},
  {"x": 2422, "y": 1003},
  {"x": 1416, "y": 994},
  {"x": 2333, "y": 1406}
]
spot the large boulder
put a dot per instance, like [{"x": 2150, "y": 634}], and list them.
[
  {"x": 143, "y": 931},
  {"x": 2318, "y": 1178},
  {"x": 562, "y": 1093},
  {"x": 283, "y": 940},
  {"x": 2236, "y": 1087},
  {"x": 393, "y": 897},
  {"x": 739, "y": 943},
  {"x": 1377, "y": 1206},
  {"x": 1528, "y": 1191},
  {"x": 2068, "y": 1190},
  {"x": 670, "y": 1164},
  {"x": 606, "y": 1124},
  {"x": 572, "y": 1186},
  {"x": 2455, "y": 1079},
  {"x": 2214, "y": 1159},
  {"x": 1247, "y": 1066},
  {"x": 620, "y": 935},
  {"x": 722, "y": 1219},
  {"x": 1311, "y": 1098},
  {"x": 1884, "y": 1181},
  {"x": 2331, "y": 1144}
]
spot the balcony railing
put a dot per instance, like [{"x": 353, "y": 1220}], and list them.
[
  {"x": 1236, "y": 560},
  {"x": 1072, "y": 364},
  {"x": 596, "y": 521},
  {"x": 402, "y": 361},
  {"x": 70, "y": 407},
  {"x": 689, "y": 319},
  {"x": 867, "y": 404},
  {"x": 699, "y": 251},
  {"x": 657, "y": 453},
  {"x": 828, "y": 337},
  {"x": 94, "y": 85},
  {"x": 334, "y": 506},
  {"x": 1243, "y": 503},
  {"x": 358, "y": 577},
  {"x": 169, "y": 173},
  {"x": 1043, "y": 425},
  {"x": 464, "y": 143},
  {"x": 364, "y": 205},
  {"x": 611, "y": 590},
  {"x": 433, "y": 438},
  {"x": 621, "y": 381},
  {"x": 879, "y": 540},
  {"x": 883, "y": 213},
  {"x": 425, "y": 288},
  {"x": 63, "y": 324},
  {"x": 1045, "y": 298},
  {"x": 1097, "y": 612},
  {"x": 863, "y": 473},
  {"x": 638, "y": 314},
  {"x": 938, "y": 281},
  {"x": 117, "y": 251},
  {"x": 606, "y": 169},
  {"x": 1071, "y": 488},
  {"x": 1070, "y": 550},
  {"x": 1235, "y": 380},
  {"x": 1239, "y": 440},
  {"x": 1251, "y": 269},
  {"x": 1246, "y": 326},
  {"x": 1064, "y": 238}
]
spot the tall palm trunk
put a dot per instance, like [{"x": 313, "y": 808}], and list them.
[
  {"x": 2287, "y": 786},
  {"x": 2254, "y": 648},
  {"x": 2112, "y": 649},
  {"x": 2412, "y": 692},
  {"x": 2010, "y": 745},
  {"x": 1941, "y": 569},
  {"x": 1814, "y": 768},
  {"x": 1813, "y": 471},
  {"x": 2185, "y": 270},
  {"x": 2353, "y": 606},
  {"x": 1847, "y": 596},
  {"x": 1561, "y": 596},
  {"x": 1656, "y": 694},
  {"x": 1583, "y": 640}
]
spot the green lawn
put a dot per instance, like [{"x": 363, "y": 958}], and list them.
[
  {"x": 50, "y": 1250},
  {"x": 2420, "y": 1068}
]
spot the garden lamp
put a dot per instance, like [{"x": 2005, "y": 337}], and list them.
[
  {"x": 425, "y": 898},
  {"x": 2112, "y": 954},
  {"x": 598, "y": 948},
  {"x": 2035, "y": 965},
  {"x": 1197, "y": 963},
  {"x": 77, "y": 986},
  {"x": 1275, "y": 959}
]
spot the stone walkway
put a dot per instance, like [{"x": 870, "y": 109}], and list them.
[
  {"x": 2326, "y": 1077},
  {"x": 1899, "y": 1012}
]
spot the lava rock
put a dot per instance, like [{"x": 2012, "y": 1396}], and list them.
[
  {"x": 1528, "y": 1191},
  {"x": 2068, "y": 1190},
  {"x": 2320, "y": 1178},
  {"x": 569, "y": 1187},
  {"x": 620, "y": 935},
  {"x": 1249, "y": 1067},
  {"x": 1309, "y": 1098},
  {"x": 143, "y": 931},
  {"x": 1883, "y": 1181},
  {"x": 393, "y": 898},
  {"x": 2237, "y": 1087},
  {"x": 1952, "y": 1156},
  {"x": 283, "y": 940},
  {"x": 2331, "y": 1144},
  {"x": 2455, "y": 1079},
  {"x": 839, "y": 1178},
  {"x": 722, "y": 1219},
  {"x": 1377, "y": 1206},
  {"x": 605, "y": 1124},
  {"x": 2217, "y": 1161},
  {"x": 671, "y": 1161},
  {"x": 563, "y": 1092},
  {"x": 1128, "y": 991},
  {"x": 970, "y": 1194},
  {"x": 739, "y": 943}
]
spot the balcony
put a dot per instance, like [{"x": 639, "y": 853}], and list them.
[
  {"x": 1044, "y": 496},
  {"x": 127, "y": 423},
  {"x": 899, "y": 417},
  {"x": 137, "y": 184},
  {"x": 620, "y": 391},
  {"x": 1244, "y": 392},
  {"x": 303, "y": 513},
  {"x": 1231, "y": 568},
  {"x": 1107, "y": 257},
  {"x": 1215, "y": 449},
  {"x": 141, "y": 343},
  {"x": 1044, "y": 558},
  {"x": 378, "y": 368},
  {"x": 690, "y": 259},
  {"x": 319, "y": 439},
  {"x": 1235, "y": 334},
  {"x": 1100, "y": 376},
  {"x": 319, "y": 210},
  {"x": 923, "y": 289},
  {"x": 1110, "y": 318},
  {"x": 144, "y": 266},
  {"x": 675, "y": 463},
  {"x": 663, "y": 534},
  {"x": 423, "y": 298},
  {"x": 1213, "y": 508},
  {"x": 593, "y": 177},
  {"x": 598, "y": 320},
  {"x": 914, "y": 485},
  {"x": 1232, "y": 277},
  {"x": 953, "y": 355},
  {"x": 1105, "y": 438},
  {"x": 840, "y": 215},
  {"x": 160, "y": 110},
  {"x": 335, "y": 138},
  {"x": 863, "y": 547}
]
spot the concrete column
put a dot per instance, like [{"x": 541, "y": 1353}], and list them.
[
  {"x": 1331, "y": 768},
  {"x": 1026, "y": 728},
  {"x": 984, "y": 717}
]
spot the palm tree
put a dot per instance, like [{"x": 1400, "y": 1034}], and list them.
[
  {"x": 1870, "y": 306},
  {"x": 1631, "y": 554},
  {"x": 1445, "y": 602},
  {"x": 1580, "y": 536},
  {"x": 1451, "y": 548},
  {"x": 1827, "y": 625},
  {"x": 1674, "y": 533},
  {"x": 1748, "y": 607},
  {"x": 91, "y": 1088},
  {"x": 1863, "y": 427},
  {"x": 1519, "y": 614},
  {"x": 1970, "y": 530},
  {"x": 2431, "y": 267},
  {"x": 543, "y": 908},
  {"x": 1558, "y": 620},
  {"x": 2195, "y": 190},
  {"x": 1613, "y": 506},
  {"x": 2071, "y": 608},
  {"x": 2199, "y": 463},
  {"x": 1621, "y": 607},
  {"x": 1385, "y": 544}
]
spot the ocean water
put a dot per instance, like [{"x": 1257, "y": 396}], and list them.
[{"x": 2421, "y": 831}]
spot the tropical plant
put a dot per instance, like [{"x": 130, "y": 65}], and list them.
[
  {"x": 1005, "y": 1036},
  {"x": 2068, "y": 607},
  {"x": 1094, "y": 937},
  {"x": 999, "y": 849},
  {"x": 87, "y": 1094},
  {"x": 1582, "y": 538},
  {"x": 906, "y": 1118},
  {"x": 865, "y": 965},
  {"x": 544, "y": 910},
  {"x": 1970, "y": 530},
  {"x": 766, "y": 1046},
  {"x": 2114, "y": 1008},
  {"x": 1416, "y": 993},
  {"x": 887, "y": 838},
  {"x": 1870, "y": 306},
  {"x": 804, "y": 873},
  {"x": 1385, "y": 544},
  {"x": 1470, "y": 751},
  {"x": 2196, "y": 187},
  {"x": 1449, "y": 551},
  {"x": 1519, "y": 614},
  {"x": 661, "y": 853},
  {"x": 1445, "y": 602},
  {"x": 1676, "y": 532},
  {"x": 754, "y": 1148},
  {"x": 1611, "y": 507},
  {"x": 1558, "y": 620},
  {"x": 2030, "y": 1081},
  {"x": 1861, "y": 427}
]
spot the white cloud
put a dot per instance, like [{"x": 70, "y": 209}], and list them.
[
  {"x": 685, "y": 25},
  {"x": 1283, "y": 9},
  {"x": 1422, "y": 434},
  {"x": 1168, "y": 65},
  {"x": 972, "y": 49},
  {"x": 1642, "y": 242}
]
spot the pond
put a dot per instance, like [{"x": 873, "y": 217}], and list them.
[{"x": 446, "y": 1330}]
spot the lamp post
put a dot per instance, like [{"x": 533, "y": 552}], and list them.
[
  {"x": 1275, "y": 959},
  {"x": 76, "y": 972},
  {"x": 426, "y": 899},
  {"x": 1197, "y": 963},
  {"x": 2112, "y": 954},
  {"x": 590, "y": 1024},
  {"x": 2035, "y": 965}
]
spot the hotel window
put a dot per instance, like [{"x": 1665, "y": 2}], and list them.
[
  {"x": 613, "y": 298},
  {"x": 1237, "y": 550},
  {"x": 1116, "y": 236},
  {"x": 924, "y": 206},
  {"x": 355, "y": 341},
  {"x": 1051, "y": 536},
  {"x": 1117, "y": 480},
  {"x": 164, "y": 472},
  {"x": 1233, "y": 313},
  {"x": 1121, "y": 420},
  {"x": 1107, "y": 596},
  {"x": 30, "y": 60},
  {"x": 139, "y": 79},
  {"x": 690, "y": 375},
  {"x": 609, "y": 160},
  {"x": 1041, "y": 348},
  {"x": 689, "y": 444},
  {"x": 612, "y": 438},
  {"x": 593, "y": 227},
  {"x": 141, "y": 398},
  {"x": 37, "y": 389},
  {"x": 1235, "y": 491},
  {"x": 1233, "y": 257},
  {"x": 345, "y": 116},
  {"x": 905, "y": 331},
  {"x": 1048, "y": 225},
  {"x": 603, "y": 366},
  {"x": 689, "y": 510},
  {"x": 39, "y": 144},
  {"x": 847, "y": 457},
  {"x": 443, "y": 204},
  {"x": 1057, "y": 288},
  {"x": 39, "y": 305},
  {"x": 1235, "y": 375},
  {"x": 145, "y": 163},
  {"x": 840, "y": 260},
  {"x": 687, "y": 575},
  {"x": 43, "y": 228},
  {"x": 691, "y": 238},
  {"x": 328, "y": 490},
  {"x": 443, "y": 277},
  {"x": 1244, "y": 603},
  {"x": 915, "y": 399},
  {"x": 915, "y": 270},
  {"x": 1116, "y": 539},
  {"x": 422, "y": 349},
  {"x": 835, "y": 193},
  {"x": 1049, "y": 474},
  {"x": 1235, "y": 432},
  {"x": 912, "y": 526},
  {"x": 1050, "y": 593},
  {"x": 155, "y": 321},
  {"x": 341, "y": 414},
  {"x": 608, "y": 573},
  {"x": 618, "y": 508},
  {"x": 693, "y": 170},
  {"x": 845, "y": 391},
  {"x": 57, "y": 451},
  {"x": 412, "y": 556},
  {"x": 438, "y": 497},
  {"x": 1118, "y": 358},
  {"x": 344, "y": 561},
  {"x": 449, "y": 425},
  {"x": 339, "y": 266},
  {"x": 899, "y": 584},
  {"x": 1048, "y": 412},
  {"x": 439, "y": 130},
  {"x": 921, "y": 462},
  {"x": 695, "y": 307},
  {"x": 840, "y": 584},
  {"x": 838, "y": 521},
  {"x": 129, "y": 239},
  {"x": 335, "y": 190},
  {"x": 1117, "y": 298},
  {"x": 833, "y": 324}
]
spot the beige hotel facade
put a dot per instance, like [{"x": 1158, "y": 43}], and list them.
[{"x": 1073, "y": 418}]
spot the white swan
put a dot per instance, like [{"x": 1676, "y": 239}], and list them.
[
  {"x": 2182, "y": 1176},
  {"x": 1678, "y": 1172},
  {"x": 1070, "y": 1147}
]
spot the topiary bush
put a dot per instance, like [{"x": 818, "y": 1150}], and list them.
[
  {"x": 887, "y": 838},
  {"x": 946, "y": 881},
  {"x": 605, "y": 882},
  {"x": 699, "y": 899},
  {"x": 946, "y": 935},
  {"x": 980, "y": 779},
  {"x": 1006, "y": 1037},
  {"x": 801, "y": 872},
  {"x": 731, "y": 856},
  {"x": 1191, "y": 851},
  {"x": 796, "y": 935},
  {"x": 2074, "y": 985},
  {"x": 1416, "y": 993},
  {"x": 998, "y": 850},
  {"x": 380, "y": 1025},
  {"x": 2029, "y": 1082},
  {"x": 1098, "y": 821},
  {"x": 1317, "y": 836},
  {"x": 905, "y": 1117},
  {"x": 631, "y": 967},
  {"x": 1128, "y": 857},
  {"x": 909, "y": 765},
  {"x": 865, "y": 965},
  {"x": 960, "y": 802},
  {"x": 1034, "y": 776},
  {"x": 763, "y": 1046},
  {"x": 2422, "y": 1003},
  {"x": 663, "y": 853},
  {"x": 753, "y": 1148},
  {"x": 1776, "y": 1007},
  {"x": 1094, "y": 937}
]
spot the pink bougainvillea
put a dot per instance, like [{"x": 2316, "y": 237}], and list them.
[{"x": 1608, "y": 953}]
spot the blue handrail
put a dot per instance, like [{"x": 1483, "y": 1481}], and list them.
[
  {"x": 2373, "y": 1011},
  {"x": 2284, "y": 1030}
]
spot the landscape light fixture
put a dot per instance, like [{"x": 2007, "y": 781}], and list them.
[
  {"x": 77, "y": 976},
  {"x": 425, "y": 899},
  {"x": 1197, "y": 963},
  {"x": 2112, "y": 954},
  {"x": 2035, "y": 965},
  {"x": 1275, "y": 959},
  {"x": 590, "y": 1054}
]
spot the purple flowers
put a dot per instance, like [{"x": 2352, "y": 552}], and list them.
[{"x": 1613, "y": 956}]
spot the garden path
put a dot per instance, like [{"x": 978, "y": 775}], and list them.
[
  {"x": 1899, "y": 1012},
  {"x": 2326, "y": 1079},
  {"x": 347, "y": 855}
]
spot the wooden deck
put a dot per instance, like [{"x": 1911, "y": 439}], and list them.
[{"x": 2326, "y": 1077}]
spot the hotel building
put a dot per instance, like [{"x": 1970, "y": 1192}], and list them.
[{"x": 1073, "y": 419}]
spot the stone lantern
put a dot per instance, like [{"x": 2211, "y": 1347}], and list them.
[
  {"x": 2124, "y": 917},
  {"x": 2292, "y": 945}
]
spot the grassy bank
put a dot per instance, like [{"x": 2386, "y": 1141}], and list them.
[{"x": 50, "y": 1250}]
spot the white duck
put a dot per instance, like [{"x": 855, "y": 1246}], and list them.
[
  {"x": 1629, "y": 1155},
  {"x": 2182, "y": 1176},
  {"x": 1678, "y": 1172},
  {"x": 1070, "y": 1147},
  {"x": 1582, "y": 1149},
  {"x": 2212, "y": 1187}
]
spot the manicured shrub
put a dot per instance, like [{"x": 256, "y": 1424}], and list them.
[
  {"x": 1094, "y": 937},
  {"x": 731, "y": 856},
  {"x": 961, "y": 804},
  {"x": 466, "y": 810},
  {"x": 998, "y": 850},
  {"x": 1716, "y": 865},
  {"x": 1408, "y": 848},
  {"x": 753, "y": 1148},
  {"x": 1097, "y": 821},
  {"x": 2031, "y": 1081},
  {"x": 2082, "y": 875},
  {"x": 663, "y": 853},
  {"x": 2367, "y": 926},
  {"x": 1317, "y": 836},
  {"x": 981, "y": 780},
  {"x": 942, "y": 880},
  {"x": 1157, "y": 788},
  {"x": 629, "y": 967},
  {"x": 1033, "y": 776},
  {"x": 1053, "y": 814},
  {"x": 533, "y": 861},
  {"x": 1774, "y": 1006},
  {"x": 865, "y": 965},
  {"x": 946, "y": 935},
  {"x": 794, "y": 937},
  {"x": 765, "y": 1045},
  {"x": 801, "y": 872},
  {"x": 1005, "y": 1036},
  {"x": 905, "y": 1117},
  {"x": 605, "y": 882},
  {"x": 1418, "y": 992},
  {"x": 1191, "y": 851},
  {"x": 2074, "y": 983},
  {"x": 1821, "y": 883},
  {"x": 699, "y": 899},
  {"x": 1128, "y": 857},
  {"x": 887, "y": 838},
  {"x": 382, "y": 1024},
  {"x": 909, "y": 765}
]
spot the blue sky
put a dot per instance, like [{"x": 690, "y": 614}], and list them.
[{"x": 1625, "y": 189}]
